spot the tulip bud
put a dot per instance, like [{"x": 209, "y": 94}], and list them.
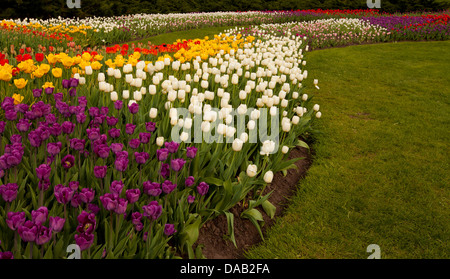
[
  {"x": 285, "y": 149},
  {"x": 101, "y": 77},
  {"x": 88, "y": 70},
  {"x": 305, "y": 97},
  {"x": 316, "y": 107},
  {"x": 126, "y": 94},
  {"x": 252, "y": 170},
  {"x": 237, "y": 145},
  {"x": 318, "y": 114},
  {"x": 160, "y": 141},
  {"x": 184, "y": 136},
  {"x": 114, "y": 96},
  {"x": 153, "y": 112},
  {"x": 268, "y": 177},
  {"x": 137, "y": 95}
]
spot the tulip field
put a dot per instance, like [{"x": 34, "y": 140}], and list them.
[{"x": 127, "y": 150}]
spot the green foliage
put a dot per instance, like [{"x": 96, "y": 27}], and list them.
[{"x": 54, "y": 8}]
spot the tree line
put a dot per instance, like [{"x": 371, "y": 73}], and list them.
[{"x": 54, "y": 8}]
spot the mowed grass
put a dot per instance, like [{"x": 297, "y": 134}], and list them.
[{"x": 381, "y": 166}]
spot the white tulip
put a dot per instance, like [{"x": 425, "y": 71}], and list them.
[
  {"x": 295, "y": 119},
  {"x": 268, "y": 177},
  {"x": 305, "y": 97},
  {"x": 184, "y": 136},
  {"x": 88, "y": 70},
  {"x": 252, "y": 170},
  {"x": 152, "y": 89},
  {"x": 126, "y": 94},
  {"x": 153, "y": 112},
  {"x": 285, "y": 149},
  {"x": 160, "y": 141},
  {"x": 251, "y": 125},
  {"x": 114, "y": 96},
  {"x": 110, "y": 72},
  {"x": 82, "y": 80},
  {"x": 117, "y": 73},
  {"x": 316, "y": 107},
  {"x": 237, "y": 145},
  {"x": 318, "y": 114},
  {"x": 137, "y": 95}
]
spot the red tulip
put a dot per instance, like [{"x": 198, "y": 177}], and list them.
[{"x": 39, "y": 57}]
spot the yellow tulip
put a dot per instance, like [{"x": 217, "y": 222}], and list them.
[
  {"x": 48, "y": 84},
  {"x": 57, "y": 72},
  {"x": 67, "y": 62},
  {"x": 5, "y": 76},
  {"x": 17, "y": 98},
  {"x": 20, "y": 83},
  {"x": 86, "y": 56},
  {"x": 52, "y": 59},
  {"x": 96, "y": 65}
]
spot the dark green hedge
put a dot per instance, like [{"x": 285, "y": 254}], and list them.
[{"x": 55, "y": 8}]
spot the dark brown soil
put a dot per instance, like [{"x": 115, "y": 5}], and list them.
[{"x": 213, "y": 234}]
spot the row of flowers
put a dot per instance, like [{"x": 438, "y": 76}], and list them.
[{"x": 89, "y": 156}]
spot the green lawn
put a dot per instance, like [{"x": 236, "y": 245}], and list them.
[
  {"x": 381, "y": 170},
  {"x": 169, "y": 38}
]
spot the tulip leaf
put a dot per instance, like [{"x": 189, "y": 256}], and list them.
[
  {"x": 230, "y": 221},
  {"x": 213, "y": 180},
  {"x": 302, "y": 144},
  {"x": 252, "y": 213},
  {"x": 269, "y": 208}
]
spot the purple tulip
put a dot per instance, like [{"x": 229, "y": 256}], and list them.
[
  {"x": 172, "y": 146},
  {"x": 22, "y": 108},
  {"x": 150, "y": 126},
  {"x": 75, "y": 201},
  {"x": 93, "y": 208},
  {"x": 56, "y": 129},
  {"x": 129, "y": 128},
  {"x": 111, "y": 120},
  {"x": 177, "y": 164},
  {"x": 84, "y": 241},
  {"x": 132, "y": 195},
  {"x": 72, "y": 92},
  {"x": 28, "y": 231},
  {"x": 63, "y": 194},
  {"x": 54, "y": 148},
  {"x": 94, "y": 111},
  {"x": 9, "y": 191},
  {"x": 11, "y": 115},
  {"x": 116, "y": 188},
  {"x": 34, "y": 139},
  {"x": 73, "y": 82},
  {"x": 81, "y": 118},
  {"x": 15, "y": 220},
  {"x": 86, "y": 195},
  {"x": 165, "y": 170},
  {"x": 74, "y": 185},
  {"x": 43, "y": 172},
  {"x": 43, "y": 236},
  {"x": 202, "y": 188},
  {"x": 102, "y": 150},
  {"x": 141, "y": 157},
  {"x": 93, "y": 134},
  {"x": 44, "y": 184},
  {"x": 118, "y": 105},
  {"x": 153, "y": 210},
  {"x": 65, "y": 83},
  {"x": 168, "y": 186},
  {"x": 68, "y": 127},
  {"x": 189, "y": 181},
  {"x": 152, "y": 188},
  {"x": 68, "y": 161},
  {"x": 121, "y": 206},
  {"x": 121, "y": 164},
  {"x": 82, "y": 101},
  {"x": 56, "y": 224},
  {"x": 136, "y": 217},
  {"x": 134, "y": 108},
  {"x": 145, "y": 137},
  {"x": 190, "y": 199},
  {"x": 2, "y": 126},
  {"x": 23, "y": 125},
  {"x": 37, "y": 93},
  {"x": 40, "y": 215},
  {"x": 86, "y": 222},
  {"x": 162, "y": 154},
  {"x": 109, "y": 201},
  {"x": 100, "y": 171},
  {"x": 59, "y": 97},
  {"x": 15, "y": 138},
  {"x": 191, "y": 152},
  {"x": 7, "y": 255},
  {"x": 49, "y": 90},
  {"x": 116, "y": 147},
  {"x": 77, "y": 144},
  {"x": 114, "y": 133},
  {"x": 169, "y": 229},
  {"x": 134, "y": 143}
]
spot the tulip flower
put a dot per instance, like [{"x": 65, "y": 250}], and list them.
[
  {"x": 84, "y": 240},
  {"x": 9, "y": 192},
  {"x": 202, "y": 188},
  {"x": 169, "y": 229},
  {"x": 86, "y": 195},
  {"x": 177, "y": 164},
  {"x": 132, "y": 195},
  {"x": 54, "y": 148},
  {"x": 40, "y": 215},
  {"x": 28, "y": 231},
  {"x": 152, "y": 188},
  {"x": 189, "y": 181},
  {"x": 15, "y": 220},
  {"x": 68, "y": 161},
  {"x": 172, "y": 147},
  {"x": 268, "y": 176},
  {"x": 150, "y": 126},
  {"x": 153, "y": 210},
  {"x": 162, "y": 154},
  {"x": 43, "y": 235},
  {"x": 56, "y": 224},
  {"x": 86, "y": 222},
  {"x": 134, "y": 108},
  {"x": 116, "y": 188},
  {"x": 100, "y": 171},
  {"x": 190, "y": 199},
  {"x": 129, "y": 128},
  {"x": 191, "y": 152},
  {"x": 63, "y": 194}
]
